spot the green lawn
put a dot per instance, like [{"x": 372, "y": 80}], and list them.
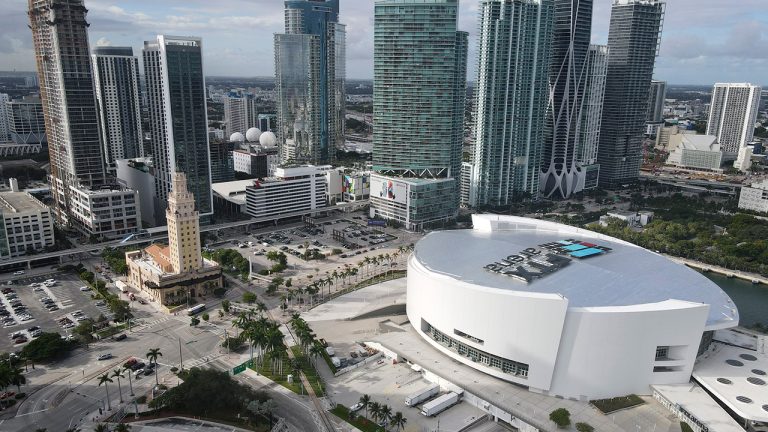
[
  {"x": 607, "y": 406},
  {"x": 296, "y": 386},
  {"x": 359, "y": 422}
]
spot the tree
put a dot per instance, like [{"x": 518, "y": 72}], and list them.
[
  {"x": 385, "y": 414},
  {"x": 104, "y": 379},
  {"x": 398, "y": 421},
  {"x": 561, "y": 417},
  {"x": 48, "y": 346},
  {"x": 225, "y": 305},
  {"x": 375, "y": 411},
  {"x": 249, "y": 297},
  {"x": 122, "y": 427},
  {"x": 152, "y": 356},
  {"x": 118, "y": 373},
  {"x": 365, "y": 400},
  {"x": 101, "y": 427},
  {"x": 206, "y": 317},
  {"x": 194, "y": 321},
  {"x": 584, "y": 427}
]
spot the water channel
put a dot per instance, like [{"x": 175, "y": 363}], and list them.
[{"x": 750, "y": 299}]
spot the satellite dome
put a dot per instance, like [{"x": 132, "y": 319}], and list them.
[
  {"x": 268, "y": 139},
  {"x": 237, "y": 137},
  {"x": 253, "y": 134}
]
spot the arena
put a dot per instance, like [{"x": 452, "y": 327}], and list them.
[{"x": 561, "y": 310}]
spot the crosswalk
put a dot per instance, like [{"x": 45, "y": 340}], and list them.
[{"x": 148, "y": 324}]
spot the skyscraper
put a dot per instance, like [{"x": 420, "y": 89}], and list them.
[
  {"x": 116, "y": 73},
  {"x": 561, "y": 175},
  {"x": 240, "y": 112},
  {"x": 173, "y": 67},
  {"x": 634, "y": 36},
  {"x": 26, "y": 121},
  {"x": 732, "y": 114},
  {"x": 514, "y": 43},
  {"x": 5, "y": 126},
  {"x": 592, "y": 116},
  {"x": 60, "y": 37},
  {"x": 310, "y": 61},
  {"x": 656, "y": 96},
  {"x": 420, "y": 62}
]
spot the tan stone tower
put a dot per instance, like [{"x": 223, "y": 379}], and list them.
[{"x": 183, "y": 227}]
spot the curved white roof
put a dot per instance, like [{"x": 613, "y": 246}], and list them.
[{"x": 617, "y": 274}]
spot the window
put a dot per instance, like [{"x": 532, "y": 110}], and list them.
[{"x": 662, "y": 353}]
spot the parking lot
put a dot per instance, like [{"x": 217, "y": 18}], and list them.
[
  {"x": 41, "y": 308},
  {"x": 390, "y": 384}
]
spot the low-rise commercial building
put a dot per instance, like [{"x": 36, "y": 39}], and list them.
[
  {"x": 416, "y": 203},
  {"x": 631, "y": 218},
  {"x": 698, "y": 152},
  {"x": 347, "y": 185},
  {"x": 754, "y": 197},
  {"x": 27, "y": 225},
  {"x": 110, "y": 212},
  {"x": 256, "y": 160},
  {"x": 292, "y": 189}
]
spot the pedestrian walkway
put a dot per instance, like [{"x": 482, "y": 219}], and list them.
[{"x": 146, "y": 325}]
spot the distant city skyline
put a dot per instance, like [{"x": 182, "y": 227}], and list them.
[{"x": 704, "y": 41}]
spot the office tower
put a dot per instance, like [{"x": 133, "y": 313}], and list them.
[
  {"x": 116, "y": 73},
  {"x": 266, "y": 122},
  {"x": 309, "y": 77},
  {"x": 173, "y": 67},
  {"x": 5, "y": 127},
  {"x": 514, "y": 44},
  {"x": 60, "y": 37},
  {"x": 561, "y": 175},
  {"x": 656, "y": 96},
  {"x": 222, "y": 163},
  {"x": 240, "y": 112},
  {"x": 592, "y": 116},
  {"x": 26, "y": 121},
  {"x": 634, "y": 36},
  {"x": 732, "y": 114},
  {"x": 654, "y": 117},
  {"x": 420, "y": 62}
]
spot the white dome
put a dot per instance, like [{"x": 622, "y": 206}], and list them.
[
  {"x": 237, "y": 137},
  {"x": 253, "y": 134},
  {"x": 268, "y": 139}
]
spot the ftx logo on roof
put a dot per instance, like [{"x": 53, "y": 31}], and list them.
[{"x": 531, "y": 263}]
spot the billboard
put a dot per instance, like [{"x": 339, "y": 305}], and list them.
[{"x": 389, "y": 189}]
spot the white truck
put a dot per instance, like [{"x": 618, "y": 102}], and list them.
[
  {"x": 422, "y": 395},
  {"x": 440, "y": 404}
]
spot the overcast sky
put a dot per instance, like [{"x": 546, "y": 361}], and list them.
[{"x": 704, "y": 41}]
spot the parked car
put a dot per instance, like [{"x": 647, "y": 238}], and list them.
[
  {"x": 20, "y": 340},
  {"x": 18, "y": 273},
  {"x": 120, "y": 337},
  {"x": 105, "y": 356}
]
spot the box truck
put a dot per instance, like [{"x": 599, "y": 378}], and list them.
[
  {"x": 422, "y": 395},
  {"x": 440, "y": 404}
]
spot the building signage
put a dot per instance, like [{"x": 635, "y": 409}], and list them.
[{"x": 532, "y": 263}]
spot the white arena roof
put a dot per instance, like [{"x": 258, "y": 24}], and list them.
[{"x": 587, "y": 268}]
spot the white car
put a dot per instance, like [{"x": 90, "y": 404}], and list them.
[
  {"x": 18, "y": 273},
  {"x": 85, "y": 288}
]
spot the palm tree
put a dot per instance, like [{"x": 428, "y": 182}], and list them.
[
  {"x": 385, "y": 414},
  {"x": 101, "y": 427},
  {"x": 152, "y": 356},
  {"x": 118, "y": 373},
  {"x": 375, "y": 411},
  {"x": 128, "y": 371},
  {"x": 398, "y": 421},
  {"x": 104, "y": 379},
  {"x": 316, "y": 350},
  {"x": 16, "y": 377},
  {"x": 122, "y": 427},
  {"x": 365, "y": 401}
]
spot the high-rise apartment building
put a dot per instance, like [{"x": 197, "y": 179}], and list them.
[
  {"x": 60, "y": 38},
  {"x": 5, "y": 126},
  {"x": 561, "y": 175},
  {"x": 592, "y": 116},
  {"x": 634, "y": 36},
  {"x": 26, "y": 121},
  {"x": 732, "y": 114},
  {"x": 116, "y": 74},
  {"x": 420, "y": 62},
  {"x": 240, "y": 112},
  {"x": 656, "y": 96},
  {"x": 173, "y": 67},
  {"x": 310, "y": 72}
]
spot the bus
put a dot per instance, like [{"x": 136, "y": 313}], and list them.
[{"x": 195, "y": 309}]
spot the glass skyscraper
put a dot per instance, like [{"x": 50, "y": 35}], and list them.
[
  {"x": 310, "y": 61},
  {"x": 561, "y": 175},
  {"x": 634, "y": 35},
  {"x": 514, "y": 44},
  {"x": 420, "y": 62},
  {"x": 592, "y": 115},
  {"x": 173, "y": 67}
]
